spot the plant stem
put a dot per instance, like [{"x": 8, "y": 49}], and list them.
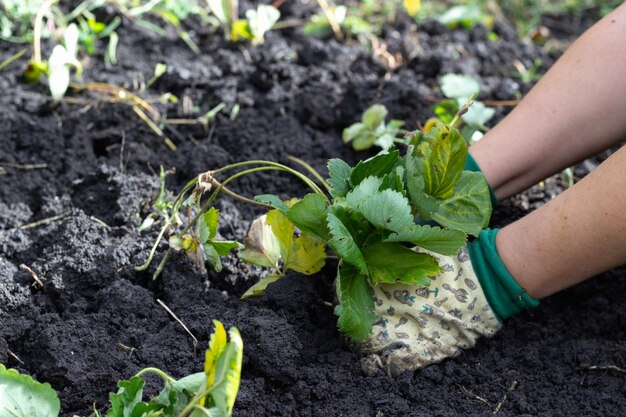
[
  {"x": 312, "y": 170},
  {"x": 282, "y": 167},
  {"x": 158, "y": 372},
  {"x": 12, "y": 59},
  {"x": 463, "y": 110},
  {"x": 45, "y": 6}
]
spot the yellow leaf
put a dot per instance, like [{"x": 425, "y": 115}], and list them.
[
  {"x": 430, "y": 123},
  {"x": 307, "y": 256},
  {"x": 217, "y": 344},
  {"x": 258, "y": 288},
  {"x": 240, "y": 29},
  {"x": 283, "y": 230},
  {"x": 412, "y": 6},
  {"x": 262, "y": 247}
]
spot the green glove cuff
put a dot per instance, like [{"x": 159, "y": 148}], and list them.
[
  {"x": 472, "y": 165},
  {"x": 503, "y": 293}
]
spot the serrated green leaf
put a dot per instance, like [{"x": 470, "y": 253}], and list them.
[
  {"x": 374, "y": 116},
  {"x": 272, "y": 200},
  {"x": 343, "y": 244},
  {"x": 392, "y": 262},
  {"x": 309, "y": 215},
  {"x": 440, "y": 160},
  {"x": 356, "y": 304},
  {"x": 376, "y": 166},
  {"x": 339, "y": 173},
  {"x": 259, "y": 288},
  {"x": 469, "y": 209},
  {"x": 364, "y": 190},
  {"x": 128, "y": 399},
  {"x": 394, "y": 181},
  {"x": 458, "y": 86},
  {"x": 435, "y": 239},
  {"x": 387, "y": 210},
  {"x": 22, "y": 396}
]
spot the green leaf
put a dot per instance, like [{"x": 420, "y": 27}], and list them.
[
  {"x": 394, "y": 181},
  {"x": 458, "y": 86},
  {"x": 440, "y": 160},
  {"x": 446, "y": 110},
  {"x": 309, "y": 215},
  {"x": 339, "y": 173},
  {"x": 387, "y": 210},
  {"x": 128, "y": 399},
  {"x": 257, "y": 289},
  {"x": 376, "y": 166},
  {"x": 223, "y": 247},
  {"x": 363, "y": 191},
  {"x": 392, "y": 262},
  {"x": 343, "y": 244},
  {"x": 364, "y": 141},
  {"x": 22, "y": 396},
  {"x": 424, "y": 204},
  {"x": 207, "y": 225},
  {"x": 469, "y": 209},
  {"x": 356, "y": 304},
  {"x": 212, "y": 257},
  {"x": 374, "y": 116},
  {"x": 436, "y": 239},
  {"x": 272, "y": 200},
  {"x": 353, "y": 131}
]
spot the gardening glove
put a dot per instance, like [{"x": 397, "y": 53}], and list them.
[{"x": 416, "y": 326}]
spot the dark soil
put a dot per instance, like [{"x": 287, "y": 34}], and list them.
[{"x": 296, "y": 95}]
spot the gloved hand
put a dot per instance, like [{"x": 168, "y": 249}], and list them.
[{"x": 416, "y": 326}]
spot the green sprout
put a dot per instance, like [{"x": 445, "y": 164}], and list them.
[{"x": 372, "y": 130}]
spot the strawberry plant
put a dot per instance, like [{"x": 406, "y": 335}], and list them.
[
  {"x": 374, "y": 216},
  {"x": 208, "y": 393}
]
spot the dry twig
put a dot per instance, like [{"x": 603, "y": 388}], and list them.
[{"x": 195, "y": 341}]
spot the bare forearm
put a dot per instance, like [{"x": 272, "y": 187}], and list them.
[
  {"x": 575, "y": 111},
  {"x": 577, "y": 235}
]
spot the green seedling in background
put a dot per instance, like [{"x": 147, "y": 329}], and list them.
[
  {"x": 57, "y": 68},
  {"x": 209, "y": 393},
  {"x": 225, "y": 12},
  {"x": 256, "y": 24},
  {"x": 372, "y": 130},
  {"x": 458, "y": 89},
  {"x": 320, "y": 24},
  {"x": 466, "y": 16}
]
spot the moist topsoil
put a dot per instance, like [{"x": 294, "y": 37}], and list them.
[{"x": 97, "y": 320}]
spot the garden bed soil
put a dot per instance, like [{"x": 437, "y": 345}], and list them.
[{"x": 97, "y": 320}]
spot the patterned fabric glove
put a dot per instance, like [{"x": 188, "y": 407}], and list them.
[{"x": 416, "y": 326}]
